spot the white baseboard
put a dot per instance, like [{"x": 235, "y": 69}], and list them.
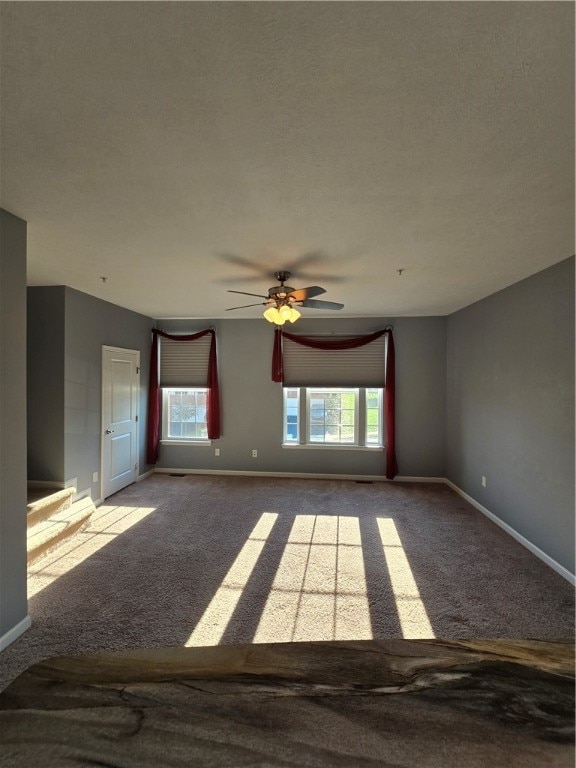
[
  {"x": 415, "y": 479},
  {"x": 14, "y": 633},
  {"x": 564, "y": 572},
  {"x": 250, "y": 473},
  {"x": 297, "y": 475}
]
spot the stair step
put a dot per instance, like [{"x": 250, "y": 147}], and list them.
[
  {"x": 42, "y": 504},
  {"x": 51, "y": 531}
]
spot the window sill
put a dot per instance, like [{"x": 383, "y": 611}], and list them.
[
  {"x": 324, "y": 447},
  {"x": 199, "y": 443}
]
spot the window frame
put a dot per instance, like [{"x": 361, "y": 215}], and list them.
[
  {"x": 285, "y": 439},
  {"x": 360, "y": 425},
  {"x": 381, "y": 426},
  {"x": 166, "y": 439},
  {"x": 337, "y": 391}
]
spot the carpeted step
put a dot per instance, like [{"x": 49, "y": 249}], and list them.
[
  {"x": 50, "y": 532},
  {"x": 44, "y": 503}
]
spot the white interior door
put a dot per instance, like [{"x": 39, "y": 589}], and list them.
[{"x": 120, "y": 399}]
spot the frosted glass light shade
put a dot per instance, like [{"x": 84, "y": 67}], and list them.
[
  {"x": 274, "y": 316},
  {"x": 280, "y": 316}
]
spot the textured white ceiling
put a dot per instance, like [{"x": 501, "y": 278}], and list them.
[{"x": 183, "y": 148}]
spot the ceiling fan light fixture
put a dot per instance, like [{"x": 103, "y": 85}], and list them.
[
  {"x": 273, "y": 316},
  {"x": 279, "y": 316},
  {"x": 292, "y": 314}
]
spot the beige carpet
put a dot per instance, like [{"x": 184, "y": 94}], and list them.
[{"x": 204, "y": 560}]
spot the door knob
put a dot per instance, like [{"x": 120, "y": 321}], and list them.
[{"x": 109, "y": 432}]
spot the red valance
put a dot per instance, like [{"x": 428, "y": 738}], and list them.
[
  {"x": 213, "y": 400},
  {"x": 353, "y": 343}
]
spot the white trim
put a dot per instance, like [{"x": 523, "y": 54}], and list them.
[
  {"x": 176, "y": 441},
  {"x": 301, "y": 475},
  {"x": 332, "y": 447},
  {"x": 14, "y": 633},
  {"x": 118, "y": 349},
  {"x": 304, "y": 421},
  {"x": 108, "y": 348},
  {"x": 564, "y": 572},
  {"x": 415, "y": 479}
]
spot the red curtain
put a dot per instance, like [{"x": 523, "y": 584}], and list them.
[
  {"x": 213, "y": 405},
  {"x": 328, "y": 344},
  {"x": 390, "y": 408},
  {"x": 358, "y": 341},
  {"x": 277, "y": 370},
  {"x": 153, "y": 425}
]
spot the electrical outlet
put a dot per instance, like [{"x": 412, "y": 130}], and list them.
[
  {"x": 483, "y": 482},
  {"x": 94, "y": 477},
  {"x": 254, "y": 453},
  {"x": 216, "y": 451}
]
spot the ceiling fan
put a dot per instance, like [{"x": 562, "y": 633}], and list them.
[{"x": 282, "y": 300}]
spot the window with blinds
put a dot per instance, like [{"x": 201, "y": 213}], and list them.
[
  {"x": 184, "y": 363},
  {"x": 184, "y": 379},
  {"x": 360, "y": 367}
]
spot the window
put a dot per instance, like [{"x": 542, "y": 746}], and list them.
[
  {"x": 291, "y": 415},
  {"x": 333, "y": 416},
  {"x": 184, "y": 414},
  {"x": 183, "y": 378}
]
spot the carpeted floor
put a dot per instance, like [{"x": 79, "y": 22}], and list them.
[{"x": 203, "y": 560}]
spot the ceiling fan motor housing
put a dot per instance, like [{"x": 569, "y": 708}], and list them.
[
  {"x": 280, "y": 296},
  {"x": 279, "y": 291}
]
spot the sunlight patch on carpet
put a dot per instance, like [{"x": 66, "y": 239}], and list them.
[
  {"x": 106, "y": 524},
  {"x": 319, "y": 592},
  {"x": 212, "y": 625},
  {"x": 412, "y": 614}
]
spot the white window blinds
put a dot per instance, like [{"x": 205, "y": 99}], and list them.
[
  {"x": 359, "y": 367},
  {"x": 184, "y": 363}
]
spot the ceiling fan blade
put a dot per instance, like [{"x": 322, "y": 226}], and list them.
[
  {"x": 321, "y": 304},
  {"x": 241, "y": 261},
  {"x": 260, "y": 295},
  {"x": 306, "y": 293},
  {"x": 259, "y": 304}
]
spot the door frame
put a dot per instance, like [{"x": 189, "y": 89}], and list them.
[{"x": 108, "y": 348}]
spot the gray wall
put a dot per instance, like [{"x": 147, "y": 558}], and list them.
[
  {"x": 510, "y": 402},
  {"x": 45, "y": 399},
  {"x": 13, "y": 603},
  {"x": 66, "y": 332},
  {"x": 89, "y": 324},
  {"x": 252, "y": 403}
]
